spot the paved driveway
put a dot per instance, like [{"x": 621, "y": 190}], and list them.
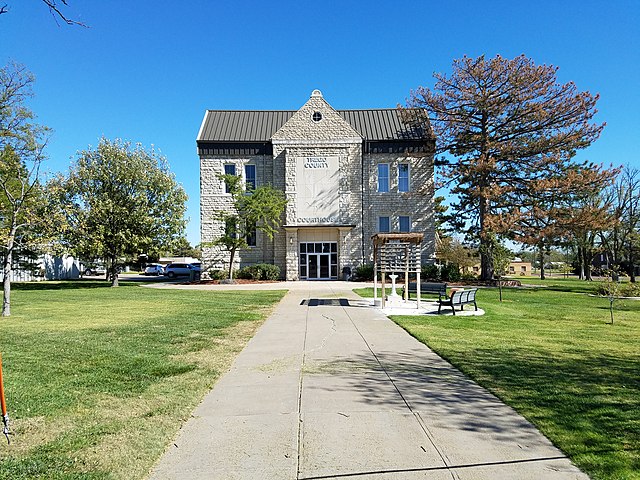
[{"x": 330, "y": 388}]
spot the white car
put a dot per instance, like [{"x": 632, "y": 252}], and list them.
[
  {"x": 154, "y": 269},
  {"x": 95, "y": 270}
]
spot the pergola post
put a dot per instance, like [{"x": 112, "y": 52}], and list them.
[
  {"x": 375, "y": 273},
  {"x": 395, "y": 252},
  {"x": 406, "y": 273}
]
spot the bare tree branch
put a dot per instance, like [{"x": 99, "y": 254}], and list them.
[
  {"x": 54, "y": 8},
  {"x": 55, "y": 12}
]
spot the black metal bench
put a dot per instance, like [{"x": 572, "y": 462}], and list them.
[
  {"x": 460, "y": 297},
  {"x": 436, "y": 288}
]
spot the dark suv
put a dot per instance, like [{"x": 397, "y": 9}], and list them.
[{"x": 176, "y": 269}]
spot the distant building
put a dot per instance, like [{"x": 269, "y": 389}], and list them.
[
  {"x": 347, "y": 175},
  {"x": 514, "y": 268},
  {"x": 168, "y": 260}
]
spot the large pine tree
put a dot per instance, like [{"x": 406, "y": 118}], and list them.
[{"x": 505, "y": 126}]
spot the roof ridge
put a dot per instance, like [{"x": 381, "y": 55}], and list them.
[{"x": 240, "y": 110}]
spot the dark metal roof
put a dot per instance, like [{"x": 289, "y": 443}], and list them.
[
  {"x": 242, "y": 125},
  {"x": 381, "y": 125}
]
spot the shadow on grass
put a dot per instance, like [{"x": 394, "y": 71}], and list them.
[
  {"x": 586, "y": 287},
  {"x": 61, "y": 285}
]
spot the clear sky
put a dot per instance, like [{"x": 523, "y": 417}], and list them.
[{"x": 147, "y": 70}]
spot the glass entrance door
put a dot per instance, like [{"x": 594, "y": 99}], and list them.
[
  {"x": 324, "y": 266},
  {"x": 318, "y": 266},
  {"x": 312, "y": 266},
  {"x": 319, "y": 260}
]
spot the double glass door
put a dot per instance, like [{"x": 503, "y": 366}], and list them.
[
  {"x": 319, "y": 260},
  {"x": 318, "y": 265}
]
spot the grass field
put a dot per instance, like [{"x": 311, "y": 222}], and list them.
[
  {"x": 99, "y": 379},
  {"x": 551, "y": 353}
]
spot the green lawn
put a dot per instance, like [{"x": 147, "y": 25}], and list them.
[
  {"x": 550, "y": 352},
  {"x": 99, "y": 379}
]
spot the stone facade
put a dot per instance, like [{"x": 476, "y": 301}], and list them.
[{"x": 331, "y": 183}]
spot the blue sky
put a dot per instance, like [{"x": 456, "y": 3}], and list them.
[{"x": 146, "y": 70}]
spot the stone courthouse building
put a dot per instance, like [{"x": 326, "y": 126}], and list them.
[{"x": 347, "y": 174}]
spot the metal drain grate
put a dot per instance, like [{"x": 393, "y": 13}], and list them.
[{"x": 329, "y": 302}]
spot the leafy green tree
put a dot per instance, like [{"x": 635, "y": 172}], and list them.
[
  {"x": 505, "y": 125},
  {"x": 453, "y": 251},
  {"x": 22, "y": 144},
  {"x": 119, "y": 201},
  {"x": 182, "y": 248},
  {"x": 501, "y": 257},
  {"x": 258, "y": 209}
]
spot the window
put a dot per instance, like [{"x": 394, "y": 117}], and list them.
[
  {"x": 383, "y": 177},
  {"x": 404, "y": 223},
  {"x": 403, "y": 177},
  {"x": 229, "y": 169},
  {"x": 383, "y": 224},
  {"x": 250, "y": 177}
]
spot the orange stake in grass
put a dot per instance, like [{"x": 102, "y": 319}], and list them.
[{"x": 3, "y": 403}]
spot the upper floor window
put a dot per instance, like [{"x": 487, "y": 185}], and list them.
[
  {"x": 403, "y": 177},
  {"x": 404, "y": 223},
  {"x": 383, "y": 177},
  {"x": 384, "y": 225},
  {"x": 229, "y": 169},
  {"x": 250, "y": 177}
]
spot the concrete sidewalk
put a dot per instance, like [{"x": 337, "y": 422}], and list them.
[{"x": 330, "y": 388}]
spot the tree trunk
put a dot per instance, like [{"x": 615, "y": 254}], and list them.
[
  {"x": 586, "y": 262},
  {"x": 486, "y": 246},
  {"x": 6, "y": 297},
  {"x": 541, "y": 260},
  {"x": 232, "y": 256},
  {"x": 486, "y": 266},
  {"x": 6, "y": 285},
  {"x": 113, "y": 269},
  {"x": 579, "y": 259}
]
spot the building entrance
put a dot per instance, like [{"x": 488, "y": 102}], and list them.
[{"x": 319, "y": 260}]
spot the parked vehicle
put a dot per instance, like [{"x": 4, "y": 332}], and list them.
[
  {"x": 177, "y": 269},
  {"x": 154, "y": 269},
  {"x": 94, "y": 270}
]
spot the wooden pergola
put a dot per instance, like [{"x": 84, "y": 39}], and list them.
[{"x": 396, "y": 252}]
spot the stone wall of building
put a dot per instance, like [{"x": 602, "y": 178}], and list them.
[
  {"x": 417, "y": 203},
  {"x": 213, "y": 198}
]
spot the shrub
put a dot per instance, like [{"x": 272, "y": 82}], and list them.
[
  {"x": 468, "y": 277},
  {"x": 217, "y": 274},
  {"x": 430, "y": 272},
  {"x": 268, "y": 271},
  {"x": 631, "y": 290},
  {"x": 450, "y": 272},
  {"x": 616, "y": 289},
  {"x": 248, "y": 273},
  {"x": 259, "y": 271},
  {"x": 364, "y": 272}
]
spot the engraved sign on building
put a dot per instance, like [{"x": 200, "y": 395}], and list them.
[{"x": 317, "y": 190}]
